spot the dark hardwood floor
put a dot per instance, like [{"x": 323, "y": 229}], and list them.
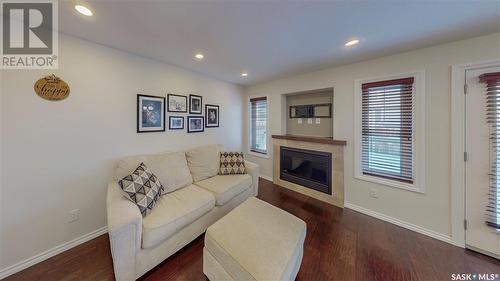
[{"x": 340, "y": 245}]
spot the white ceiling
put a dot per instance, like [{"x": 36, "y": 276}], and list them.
[{"x": 272, "y": 39}]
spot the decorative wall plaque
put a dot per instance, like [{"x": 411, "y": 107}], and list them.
[{"x": 52, "y": 88}]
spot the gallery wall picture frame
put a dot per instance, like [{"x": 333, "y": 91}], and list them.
[
  {"x": 150, "y": 114},
  {"x": 211, "y": 116},
  {"x": 176, "y": 122},
  {"x": 195, "y": 124},
  {"x": 195, "y": 104},
  {"x": 176, "y": 103}
]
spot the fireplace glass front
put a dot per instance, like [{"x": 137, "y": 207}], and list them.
[{"x": 312, "y": 169}]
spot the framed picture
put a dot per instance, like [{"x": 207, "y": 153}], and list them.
[
  {"x": 195, "y": 124},
  {"x": 195, "y": 104},
  {"x": 150, "y": 114},
  {"x": 176, "y": 103},
  {"x": 323, "y": 110},
  {"x": 212, "y": 115},
  {"x": 175, "y": 122}
]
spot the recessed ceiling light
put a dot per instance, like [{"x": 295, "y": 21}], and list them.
[
  {"x": 83, "y": 10},
  {"x": 199, "y": 56},
  {"x": 352, "y": 42},
  {"x": 244, "y": 74}
]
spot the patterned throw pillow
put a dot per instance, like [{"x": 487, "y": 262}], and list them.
[
  {"x": 143, "y": 188},
  {"x": 231, "y": 163}
]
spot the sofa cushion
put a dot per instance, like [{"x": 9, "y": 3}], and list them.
[
  {"x": 226, "y": 187},
  {"x": 170, "y": 168},
  {"x": 203, "y": 161},
  {"x": 232, "y": 163},
  {"x": 257, "y": 241},
  {"x": 143, "y": 188},
  {"x": 174, "y": 211}
]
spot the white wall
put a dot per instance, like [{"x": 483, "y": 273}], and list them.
[
  {"x": 432, "y": 209},
  {"x": 58, "y": 156}
]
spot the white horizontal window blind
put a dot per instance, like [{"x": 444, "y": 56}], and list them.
[
  {"x": 258, "y": 125},
  {"x": 492, "y": 113},
  {"x": 388, "y": 129}
]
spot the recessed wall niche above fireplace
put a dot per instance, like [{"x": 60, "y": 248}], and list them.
[
  {"x": 312, "y": 169},
  {"x": 309, "y": 113}
]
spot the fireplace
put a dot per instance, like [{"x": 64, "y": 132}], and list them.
[{"x": 309, "y": 168}]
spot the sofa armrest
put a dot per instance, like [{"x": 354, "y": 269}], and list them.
[
  {"x": 125, "y": 230},
  {"x": 253, "y": 170}
]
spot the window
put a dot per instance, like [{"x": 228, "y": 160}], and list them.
[
  {"x": 492, "y": 117},
  {"x": 389, "y": 119},
  {"x": 258, "y": 125},
  {"x": 387, "y": 129}
]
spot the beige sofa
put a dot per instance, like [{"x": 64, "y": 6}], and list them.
[{"x": 196, "y": 197}]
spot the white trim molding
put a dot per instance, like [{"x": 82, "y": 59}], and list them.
[
  {"x": 458, "y": 147},
  {"x": 51, "y": 252},
  {"x": 266, "y": 177},
  {"x": 419, "y": 183},
  {"x": 261, "y": 155},
  {"x": 404, "y": 224}
]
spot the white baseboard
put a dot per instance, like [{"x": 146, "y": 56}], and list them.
[
  {"x": 266, "y": 177},
  {"x": 51, "y": 252},
  {"x": 407, "y": 225}
]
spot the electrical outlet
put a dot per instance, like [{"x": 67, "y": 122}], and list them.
[
  {"x": 74, "y": 215},
  {"x": 373, "y": 193}
]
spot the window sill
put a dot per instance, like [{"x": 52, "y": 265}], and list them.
[
  {"x": 391, "y": 183},
  {"x": 261, "y": 155}
]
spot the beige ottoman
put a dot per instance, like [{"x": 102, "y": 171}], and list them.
[{"x": 255, "y": 241}]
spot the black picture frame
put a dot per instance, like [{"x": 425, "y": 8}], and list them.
[
  {"x": 308, "y": 111},
  {"x": 329, "y": 115},
  {"x": 201, "y": 123},
  {"x": 301, "y": 111},
  {"x": 171, "y": 118},
  {"x": 170, "y": 98},
  {"x": 143, "y": 112},
  {"x": 193, "y": 98},
  {"x": 209, "y": 108}
]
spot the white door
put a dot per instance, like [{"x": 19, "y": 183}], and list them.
[{"x": 478, "y": 235}]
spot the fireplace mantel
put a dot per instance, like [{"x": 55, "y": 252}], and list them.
[{"x": 324, "y": 140}]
